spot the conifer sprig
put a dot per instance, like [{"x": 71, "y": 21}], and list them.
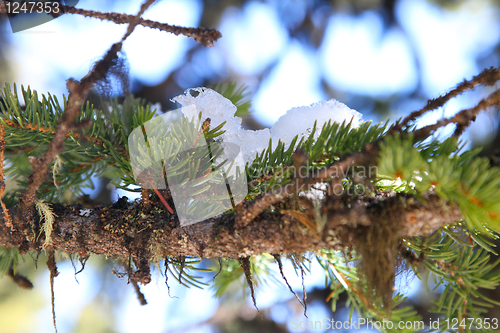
[{"x": 101, "y": 148}]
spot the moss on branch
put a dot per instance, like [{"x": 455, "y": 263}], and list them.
[{"x": 121, "y": 230}]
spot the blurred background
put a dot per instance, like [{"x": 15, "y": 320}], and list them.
[{"x": 382, "y": 58}]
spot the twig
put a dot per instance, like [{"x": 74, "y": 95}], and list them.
[
  {"x": 134, "y": 21},
  {"x": 140, "y": 296},
  {"x": 277, "y": 258},
  {"x": 162, "y": 199},
  {"x": 204, "y": 36},
  {"x": 245, "y": 264},
  {"x": 20, "y": 124},
  {"x": 138, "y": 292},
  {"x": 338, "y": 169},
  {"x": 269, "y": 233},
  {"x": 459, "y": 131},
  {"x": 463, "y": 118},
  {"x": 248, "y": 211},
  {"x": 77, "y": 93},
  {"x": 487, "y": 77},
  {"x": 51, "y": 264}
]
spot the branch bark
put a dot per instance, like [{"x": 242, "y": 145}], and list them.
[{"x": 121, "y": 231}]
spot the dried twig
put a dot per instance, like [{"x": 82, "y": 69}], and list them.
[
  {"x": 134, "y": 21},
  {"x": 487, "y": 77},
  {"x": 463, "y": 118},
  {"x": 137, "y": 289},
  {"x": 51, "y": 264},
  {"x": 138, "y": 292},
  {"x": 277, "y": 258},
  {"x": 248, "y": 211},
  {"x": 21, "y": 281},
  {"x": 77, "y": 93},
  {"x": 204, "y": 36}
]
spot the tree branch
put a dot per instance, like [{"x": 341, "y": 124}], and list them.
[
  {"x": 121, "y": 231},
  {"x": 487, "y": 77},
  {"x": 77, "y": 93},
  {"x": 204, "y": 36},
  {"x": 463, "y": 118}
]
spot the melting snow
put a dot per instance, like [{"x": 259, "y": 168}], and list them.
[{"x": 299, "y": 120}]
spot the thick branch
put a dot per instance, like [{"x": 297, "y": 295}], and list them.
[{"x": 120, "y": 231}]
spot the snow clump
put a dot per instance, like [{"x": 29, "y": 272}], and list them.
[
  {"x": 300, "y": 120},
  {"x": 296, "y": 121}
]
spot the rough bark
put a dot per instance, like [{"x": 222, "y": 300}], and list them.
[{"x": 122, "y": 231}]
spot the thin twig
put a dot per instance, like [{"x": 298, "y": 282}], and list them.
[
  {"x": 204, "y": 36},
  {"x": 463, "y": 118},
  {"x": 21, "y": 281},
  {"x": 137, "y": 18},
  {"x": 138, "y": 292},
  {"x": 140, "y": 296},
  {"x": 248, "y": 211},
  {"x": 77, "y": 93},
  {"x": 459, "y": 131},
  {"x": 277, "y": 258},
  {"x": 487, "y": 77},
  {"x": 51, "y": 264}
]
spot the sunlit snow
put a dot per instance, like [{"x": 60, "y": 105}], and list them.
[{"x": 296, "y": 121}]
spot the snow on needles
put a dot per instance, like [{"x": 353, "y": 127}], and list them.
[
  {"x": 296, "y": 121},
  {"x": 300, "y": 120}
]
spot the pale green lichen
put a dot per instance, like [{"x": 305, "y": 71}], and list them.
[{"x": 48, "y": 216}]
